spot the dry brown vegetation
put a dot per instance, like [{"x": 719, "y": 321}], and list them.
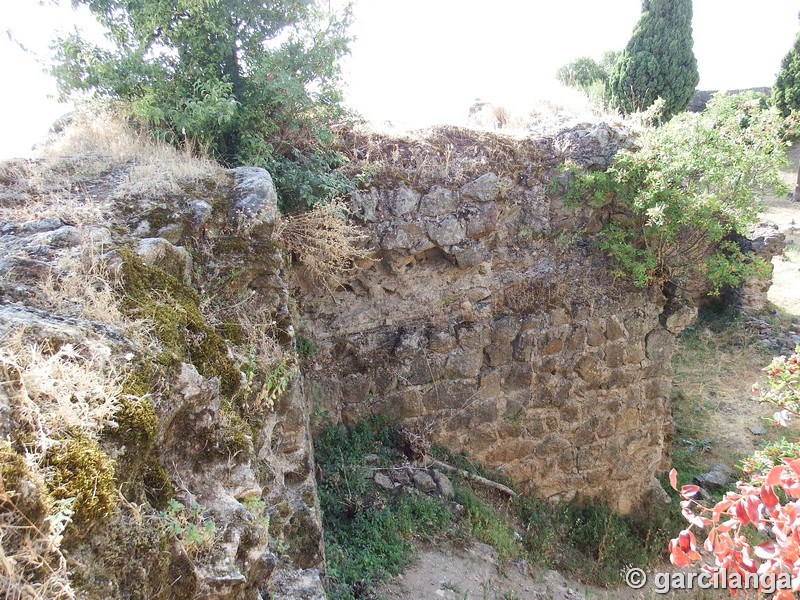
[
  {"x": 453, "y": 154},
  {"x": 323, "y": 240},
  {"x": 63, "y": 180}
]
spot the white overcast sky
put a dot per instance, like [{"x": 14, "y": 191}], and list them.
[{"x": 420, "y": 62}]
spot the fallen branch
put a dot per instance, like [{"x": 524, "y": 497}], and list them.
[{"x": 473, "y": 477}]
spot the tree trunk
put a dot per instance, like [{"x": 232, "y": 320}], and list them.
[{"x": 796, "y": 197}]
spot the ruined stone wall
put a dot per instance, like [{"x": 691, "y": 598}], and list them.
[{"x": 489, "y": 319}]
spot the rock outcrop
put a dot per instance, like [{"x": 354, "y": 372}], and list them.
[{"x": 177, "y": 303}]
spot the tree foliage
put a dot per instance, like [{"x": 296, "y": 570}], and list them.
[
  {"x": 675, "y": 203},
  {"x": 585, "y": 71},
  {"x": 766, "y": 501},
  {"x": 786, "y": 91},
  {"x": 581, "y": 73},
  {"x": 658, "y": 61},
  {"x": 252, "y": 82}
]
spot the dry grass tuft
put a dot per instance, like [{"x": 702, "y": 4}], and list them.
[
  {"x": 98, "y": 142},
  {"x": 80, "y": 283},
  {"x": 76, "y": 161},
  {"x": 324, "y": 242},
  {"x": 63, "y": 390},
  {"x": 54, "y": 393},
  {"x": 456, "y": 155}
]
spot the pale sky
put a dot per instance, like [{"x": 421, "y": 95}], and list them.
[{"x": 421, "y": 62}]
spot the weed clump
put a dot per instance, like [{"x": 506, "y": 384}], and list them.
[{"x": 367, "y": 534}]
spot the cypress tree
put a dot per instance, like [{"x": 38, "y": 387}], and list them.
[
  {"x": 658, "y": 60},
  {"x": 786, "y": 91}
]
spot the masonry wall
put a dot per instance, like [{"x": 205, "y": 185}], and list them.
[{"x": 490, "y": 321}]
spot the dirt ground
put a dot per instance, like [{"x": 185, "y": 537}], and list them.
[
  {"x": 785, "y": 290},
  {"x": 454, "y": 574}
]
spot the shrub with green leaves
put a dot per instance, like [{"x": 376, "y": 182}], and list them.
[
  {"x": 251, "y": 82},
  {"x": 676, "y": 203},
  {"x": 658, "y": 61},
  {"x": 584, "y": 72}
]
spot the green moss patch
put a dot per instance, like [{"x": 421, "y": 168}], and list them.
[
  {"x": 81, "y": 470},
  {"x": 15, "y": 473},
  {"x": 139, "y": 473},
  {"x": 174, "y": 310}
]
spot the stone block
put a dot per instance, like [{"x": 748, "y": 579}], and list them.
[
  {"x": 614, "y": 329},
  {"x": 594, "y": 333},
  {"x": 482, "y": 221},
  {"x": 658, "y": 345},
  {"x": 447, "y": 395},
  {"x": 438, "y": 201},
  {"x": 589, "y": 367},
  {"x": 482, "y": 189},
  {"x": 402, "y": 201},
  {"x": 464, "y": 364},
  {"x": 615, "y": 355},
  {"x": 446, "y": 231}
]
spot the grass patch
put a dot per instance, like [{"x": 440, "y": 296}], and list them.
[
  {"x": 369, "y": 533},
  {"x": 590, "y": 541},
  {"x": 714, "y": 366}
]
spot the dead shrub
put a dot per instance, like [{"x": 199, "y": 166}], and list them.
[
  {"x": 324, "y": 242},
  {"x": 32, "y": 565}
]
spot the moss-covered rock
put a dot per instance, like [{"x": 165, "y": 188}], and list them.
[
  {"x": 140, "y": 476},
  {"x": 174, "y": 309},
  {"x": 132, "y": 558}
]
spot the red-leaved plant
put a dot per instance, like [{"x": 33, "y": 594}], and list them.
[{"x": 769, "y": 501}]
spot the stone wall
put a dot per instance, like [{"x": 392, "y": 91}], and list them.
[{"x": 489, "y": 320}]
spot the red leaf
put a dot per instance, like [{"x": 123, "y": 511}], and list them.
[
  {"x": 765, "y": 550},
  {"x": 720, "y": 508},
  {"x": 741, "y": 513},
  {"x": 768, "y": 497},
  {"x": 673, "y": 479},
  {"x": 795, "y": 465},
  {"x": 774, "y": 477},
  {"x": 689, "y": 490},
  {"x": 678, "y": 557},
  {"x": 752, "y": 509}
]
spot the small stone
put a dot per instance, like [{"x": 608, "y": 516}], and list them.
[
  {"x": 757, "y": 430},
  {"x": 172, "y": 233},
  {"x": 438, "y": 201},
  {"x": 201, "y": 212},
  {"x": 445, "y": 486},
  {"x": 158, "y": 252},
  {"x": 483, "y": 189},
  {"x": 447, "y": 231},
  {"x": 403, "y": 201},
  {"x": 717, "y": 479},
  {"x": 382, "y": 481},
  {"x": 403, "y": 477},
  {"x": 424, "y": 482}
]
